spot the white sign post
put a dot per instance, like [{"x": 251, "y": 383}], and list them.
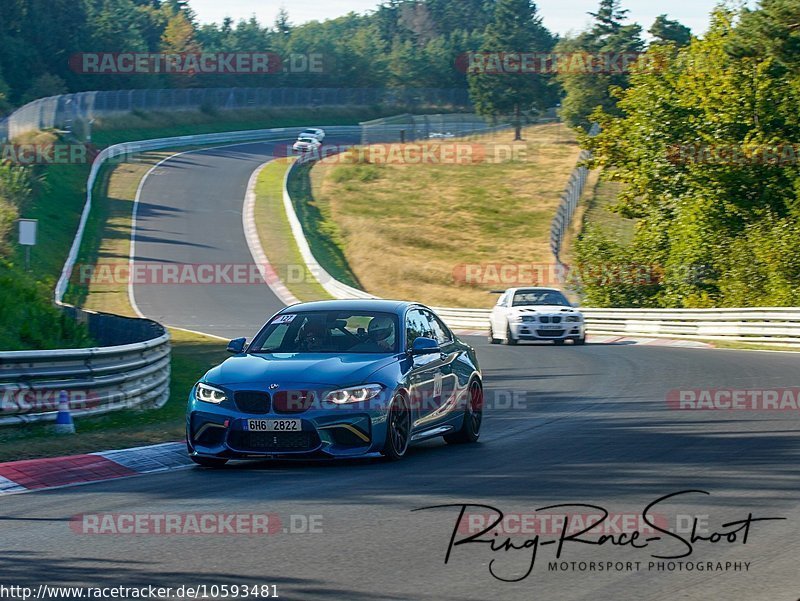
[{"x": 27, "y": 237}]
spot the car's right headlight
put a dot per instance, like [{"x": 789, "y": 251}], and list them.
[{"x": 209, "y": 394}]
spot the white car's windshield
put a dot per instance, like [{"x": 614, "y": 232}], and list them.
[
  {"x": 533, "y": 298},
  {"x": 307, "y": 140}
]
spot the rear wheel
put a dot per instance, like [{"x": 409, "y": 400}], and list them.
[
  {"x": 492, "y": 339},
  {"x": 473, "y": 417},
  {"x": 398, "y": 429},
  {"x": 209, "y": 461},
  {"x": 510, "y": 340}
]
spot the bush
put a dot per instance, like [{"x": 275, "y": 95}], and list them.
[{"x": 30, "y": 320}]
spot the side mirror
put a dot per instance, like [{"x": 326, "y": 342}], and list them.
[
  {"x": 424, "y": 346},
  {"x": 237, "y": 345}
]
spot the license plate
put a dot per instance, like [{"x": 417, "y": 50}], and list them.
[
  {"x": 273, "y": 425},
  {"x": 551, "y": 327}
]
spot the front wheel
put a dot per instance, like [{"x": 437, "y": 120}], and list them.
[
  {"x": 558, "y": 342},
  {"x": 581, "y": 341},
  {"x": 510, "y": 340},
  {"x": 398, "y": 429},
  {"x": 209, "y": 461},
  {"x": 473, "y": 417}
]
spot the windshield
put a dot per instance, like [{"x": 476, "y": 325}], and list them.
[
  {"x": 533, "y": 298},
  {"x": 308, "y": 132},
  {"x": 307, "y": 140},
  {"x": 328, "y": 332}
]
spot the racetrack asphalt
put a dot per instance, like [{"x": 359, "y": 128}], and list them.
[{"x": 587, "y": 425}]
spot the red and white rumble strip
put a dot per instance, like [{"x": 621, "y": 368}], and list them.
[{"x": 55, "y": 472}]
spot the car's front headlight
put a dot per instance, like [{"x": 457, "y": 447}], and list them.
[
  {"x": 356, "y": 394},
  {"x": 575, "y": 318},
  {"x": 515, "y": 319},
  {"x": 209, "y": 394}
]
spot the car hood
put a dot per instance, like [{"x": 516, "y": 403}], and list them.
[
  {"x": 544, "y": 309},
  {"x": 321, "y": 369}
]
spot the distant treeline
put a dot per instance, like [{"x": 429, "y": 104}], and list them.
[{"x": 45, "y": 46}]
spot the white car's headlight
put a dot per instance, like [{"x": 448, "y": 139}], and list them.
[
  {"x": 515, "y": 319},
  {"x": 574, "y": 318},
  {"x": 209, "y": 394},
  {"x": 356, "y": 394}
]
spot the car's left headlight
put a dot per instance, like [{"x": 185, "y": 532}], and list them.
[
  {"x": 355, "y": 394},
  {"x": 209, "y": 394},
  {"x": 574, "y": 318}
]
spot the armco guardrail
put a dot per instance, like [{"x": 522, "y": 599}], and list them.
[
  {"x": 761, "y": 325},
  {"x": 131, "y": 369}
]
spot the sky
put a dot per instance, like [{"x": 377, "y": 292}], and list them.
[{"x": 560, "y": 16}]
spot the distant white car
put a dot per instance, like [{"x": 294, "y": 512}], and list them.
[
  {"x": 441, "y": 134},
  {"x": 306, "y": 144},
  {"x": 312, "y": 132},
  {"x": 535, "y": 314}
]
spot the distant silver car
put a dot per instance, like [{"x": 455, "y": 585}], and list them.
[
  {"x": 312, "y": 132},
  {"x": 535, "y": 314},
  {"x": 306, "y": 144}
]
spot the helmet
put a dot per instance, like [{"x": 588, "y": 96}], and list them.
[{"x": 381, "y": 328}]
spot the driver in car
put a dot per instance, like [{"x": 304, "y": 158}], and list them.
[
  {"x": 379, "y": 337},
  {"x": 312, "y": 336}
]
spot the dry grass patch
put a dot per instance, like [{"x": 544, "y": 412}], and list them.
[{"x": 408, "y": 229}]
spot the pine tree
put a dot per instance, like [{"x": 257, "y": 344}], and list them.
[{"x": 516, "y": 28}]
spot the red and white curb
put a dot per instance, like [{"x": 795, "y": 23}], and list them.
[{"x": 57, "y": 472}]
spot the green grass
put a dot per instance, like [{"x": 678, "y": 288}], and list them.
[
  {"x": 321, "y": 230},
  {"x": 408, "y": 230},
  {"x": 276, "y": 235},
  {"x": 192, "y": 355}
]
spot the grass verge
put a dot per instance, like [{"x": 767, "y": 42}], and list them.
[
  {"x": 408, "y": 229},
  {"x": 276, "y": 235}
]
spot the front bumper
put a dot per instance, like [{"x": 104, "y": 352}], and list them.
[
  {"x": 536, "y": 331},
  {"x": 214, "y": 431}
]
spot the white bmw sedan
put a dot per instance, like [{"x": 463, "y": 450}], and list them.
[{"x": 535, "y": 314}]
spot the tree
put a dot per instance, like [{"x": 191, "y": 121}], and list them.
[
  {"x": 283, "y": 26},
  {"x": 666, "y": 31},
  {"x": 516, "y": 28},
  {"x": 586, "y": 90},
  {"x": 709, "y": 170}
]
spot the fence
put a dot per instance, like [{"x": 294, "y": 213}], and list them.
[
  {"x": 569, "y": 201},
  {"x": 131, "y": 368},
  {"x": 408, "y": 127},
  {"x": 65, "y": 111}
]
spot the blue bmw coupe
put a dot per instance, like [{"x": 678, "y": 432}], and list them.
[{"x": 337, "y": 379}]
